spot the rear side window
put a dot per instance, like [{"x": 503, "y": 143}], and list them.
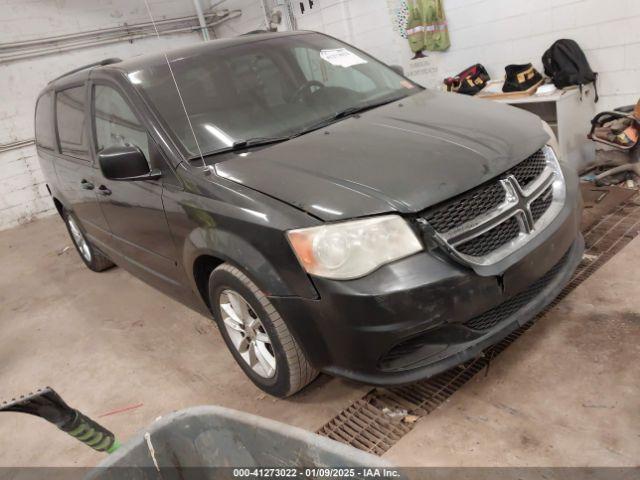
[
  {"x": 45, "y": 134},
  {"x": 71, "y": 121}
]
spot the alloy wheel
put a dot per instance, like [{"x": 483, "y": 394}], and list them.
[
  {"x": 79, "y": 240},
  {"x": 247, "y": 333}
]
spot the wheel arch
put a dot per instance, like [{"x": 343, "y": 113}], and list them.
[
  {"x": 206, "y": 248},
  {"x": 203, "y": 265},
  {"x": 208, "y": 261}
]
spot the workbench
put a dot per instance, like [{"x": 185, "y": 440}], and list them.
[{"x": 569, "y": 117}]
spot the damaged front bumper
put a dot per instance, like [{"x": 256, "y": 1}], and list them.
[{"x": 425, "y": 314}]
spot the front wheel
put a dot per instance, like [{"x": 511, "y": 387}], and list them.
[
  {"x": 256, "y": 335},
  {"x": 93, "y": 258}
]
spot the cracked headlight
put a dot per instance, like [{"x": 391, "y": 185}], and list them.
[{"x": 354, "y": 248}]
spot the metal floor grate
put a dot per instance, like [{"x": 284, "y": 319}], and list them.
[{"x": 366, "y": 424}]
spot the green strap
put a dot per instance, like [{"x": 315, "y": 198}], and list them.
[{"x": 114, "y": 447}]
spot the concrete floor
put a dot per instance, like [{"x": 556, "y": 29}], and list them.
[{"x": 567, "y": 393}]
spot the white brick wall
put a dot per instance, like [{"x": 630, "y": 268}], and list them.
[
  {"x": 492, "y": 32},
  {"x": 23, "y": 195},
  {"x": 22, "y": 186},
  {"x": 252, "y": 18},
  {"x": 498, "y": 32}
]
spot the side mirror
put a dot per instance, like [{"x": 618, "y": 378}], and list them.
[
  {"x": 398, "y": 69},
  {"x": 126, "y": 163}
]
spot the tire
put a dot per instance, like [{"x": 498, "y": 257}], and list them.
[
  {"x": 93, "y": 258},
  {"x": 292, "y": 370}
]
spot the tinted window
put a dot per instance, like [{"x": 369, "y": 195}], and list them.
[
  {"x": 115, "y": 122},
  {"x": 258, "y": 77},
  {"x": 274, "y": 87},
  {"x": 315, "y": 68},
  {"x": 71, "y": 120},
  {"x": 45, "y": 135}
]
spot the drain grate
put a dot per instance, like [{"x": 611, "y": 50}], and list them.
[
  {"x": 367, "y": 424},
  {"x": 364, "y": 425}
]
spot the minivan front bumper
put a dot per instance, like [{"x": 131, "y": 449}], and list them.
[{"x": 425, "y": 314}]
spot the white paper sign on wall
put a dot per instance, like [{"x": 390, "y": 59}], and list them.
[{"x": 425, "y": 71}]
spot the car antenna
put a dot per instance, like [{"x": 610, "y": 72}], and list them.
[{"x": 173, "y": 77}]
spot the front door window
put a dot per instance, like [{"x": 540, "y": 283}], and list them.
[{"x": 115, "y": 122}]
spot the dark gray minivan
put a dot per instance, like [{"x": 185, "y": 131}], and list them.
[{"x": 329, "y": 213}]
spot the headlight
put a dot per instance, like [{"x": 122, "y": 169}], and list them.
[{"x": 352, "y": 249}]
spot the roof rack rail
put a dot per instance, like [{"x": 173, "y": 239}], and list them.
[
  {"x": 255, "y": 32},
  {"x": 106, "y": 61}
]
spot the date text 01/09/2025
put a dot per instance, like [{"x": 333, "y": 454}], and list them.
[{"x": 316, "y": 472}]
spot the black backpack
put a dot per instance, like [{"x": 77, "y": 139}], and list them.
[{"x": 567, "y": 65}]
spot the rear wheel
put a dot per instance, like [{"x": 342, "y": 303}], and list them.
[
  {"x": 256, "y": 335},
  {"x": 93, "y": 258}
]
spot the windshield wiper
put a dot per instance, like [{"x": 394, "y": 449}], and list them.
[
  {"x": 256, "y": 142},
  {"x": 259, "y": 141},
  {"x": 244, "y": 144},
  {"x": 347, "y": 112},
  {"x": 367, "y": 106}
]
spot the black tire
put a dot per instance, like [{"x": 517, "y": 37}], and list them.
[
  {"x": 293, "y": 371},
  {"x": 92, "y": 257}
]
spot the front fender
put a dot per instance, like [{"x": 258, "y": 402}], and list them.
[
  {"x": 241, "y": 227},
  {"x": 232, "y": 248}
]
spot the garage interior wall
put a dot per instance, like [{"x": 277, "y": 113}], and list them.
[
  {"x": 23, "y": 194},
  {"x": 499, "y": 32},
  {"x": 492, "y": 32}
]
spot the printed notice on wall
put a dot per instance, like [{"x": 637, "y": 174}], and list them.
[
  {"x": 341, "y": 57},
  {"x": 425, "y": 71}
]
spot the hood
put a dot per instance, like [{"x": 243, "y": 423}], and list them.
[{"x": 404, "y": 157}]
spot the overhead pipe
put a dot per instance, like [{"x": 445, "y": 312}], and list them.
[
  {"x": 53, "y": 50},
  {"x": 6, "y": 147},
  {"x": 126, "y": 33},
  {"x": 265, "y": 13},
  {"x": 288, "y": 16},
  {"x": 128, "y": 36},
  {"x": 93, "y": 33},
  {"x": 203, "y": 23}
]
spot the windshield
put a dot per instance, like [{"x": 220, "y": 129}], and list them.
[{"x": 272, "y": 88}]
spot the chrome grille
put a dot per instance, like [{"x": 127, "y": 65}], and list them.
[
  {"x": 465, "y": 207},
  {"x": 485, "y": 224},
  {"x": 491, "y": 240},
  {"x": 527, "y": 171},
  {"x": 541, "y": 204}
]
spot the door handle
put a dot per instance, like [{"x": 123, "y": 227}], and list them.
[
  {"x": 85, "y": 185},
  {"x": 102, "y": 190}
]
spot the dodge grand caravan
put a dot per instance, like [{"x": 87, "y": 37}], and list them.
[{"x": 329, "y": 213}]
